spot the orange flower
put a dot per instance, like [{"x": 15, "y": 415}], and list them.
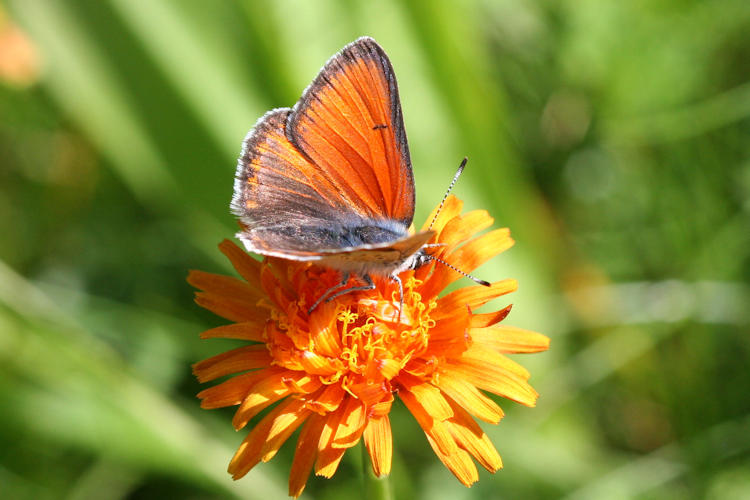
[{"x": 334, "y": 372}]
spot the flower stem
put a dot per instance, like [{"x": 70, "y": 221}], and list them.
[{"x": 375, "y": 488}]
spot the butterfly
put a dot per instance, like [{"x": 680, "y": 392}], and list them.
[{"x": 329, "y": 181}]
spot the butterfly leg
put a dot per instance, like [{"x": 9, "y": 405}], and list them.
[
  {"x": 395, "y": 278},
  {"x": 344, "y": 281},
  {"x": 369, "y": 286}
]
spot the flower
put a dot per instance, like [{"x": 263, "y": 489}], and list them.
[
  {"x": 19, "y": 56},
  {"x": 334, "y": 372}
]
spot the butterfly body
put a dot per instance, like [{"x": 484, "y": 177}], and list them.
[
  {"x": 330, "y": 180},
  {"x": 376, "y": 247}
]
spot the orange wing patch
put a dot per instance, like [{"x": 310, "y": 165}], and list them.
[
  {"x": 272, "y": 171},
  {"x": 349, "y": 124}
]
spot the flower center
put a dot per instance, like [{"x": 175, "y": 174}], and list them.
[{"x": 359, "y": 339}]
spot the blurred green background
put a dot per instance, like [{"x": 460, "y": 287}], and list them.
[{"x": 612, "y": 137}]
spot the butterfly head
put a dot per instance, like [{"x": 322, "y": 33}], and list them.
[{"x": 416, "y": 260}]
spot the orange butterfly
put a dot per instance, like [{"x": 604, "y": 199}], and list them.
[{"x": 330, "y": 180}]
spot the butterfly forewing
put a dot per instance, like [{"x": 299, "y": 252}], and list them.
[{"x": 349, "y": 123}]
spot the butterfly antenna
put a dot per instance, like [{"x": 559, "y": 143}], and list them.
[
  {"x": 453, "y": 182},
  {"x": 472, "y": 278}
]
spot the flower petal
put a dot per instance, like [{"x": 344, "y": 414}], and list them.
[
  {"x": 282, "y": 427},
  {"x": 467, "y": 258},
  {"x": 274, "y": 283},
  {"x": 493, "y": 379},
  {"x": 305, "y": 454},
  {"x": 461, "y": 228},
  {"x": 312, "y": 362},
  {"x": 471, "y": 399},
  {"x": 326, "y": 400},
  {"x": 450, "y": 335},
  {"x": 449, "y": 209},
  {"x": 509, "y": 339},
  {"x": 481, "y": 249},
  {"x": 243, "y": 263},
  {"x": 388, "y": 367},
  {"x": 323, "y": 332},
  {"x": 489, "y": 319},
  {"x": 370, "y": 392},
  {"x": 432, "y": 428},
  {"x": 428, "y": 396},
  {"x": 351, "y": 426},
  {"x": 379, "y": 443},
  {"x": 458, "y": 462},
  {"x": 481, "y": 355},
  {"x": 247, "y": 330},
  {"x": 473, "y": 439},
  {"x": 224, "y": 286},
  {"x": 473, "y": 297},
  {"x": 382, "y": 408},
  {"x": 235, "y": 390},
  {"x": 231, "y": 309},
  {"x": 254, "y": 446},
  {"x": 328, "y": 461},
  {"x": 271, "y": 389},
  {"x": 234, "y": 361},
  {"x": 329, "y": 457}
]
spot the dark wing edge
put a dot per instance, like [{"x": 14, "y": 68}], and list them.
[{"x": 249, "y": 150}]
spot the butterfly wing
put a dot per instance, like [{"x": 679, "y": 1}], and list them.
[
  {"x": 349, "y": 123},
  {"x": 278, "y": 192},
  {"x": 339, "y": 158}
]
